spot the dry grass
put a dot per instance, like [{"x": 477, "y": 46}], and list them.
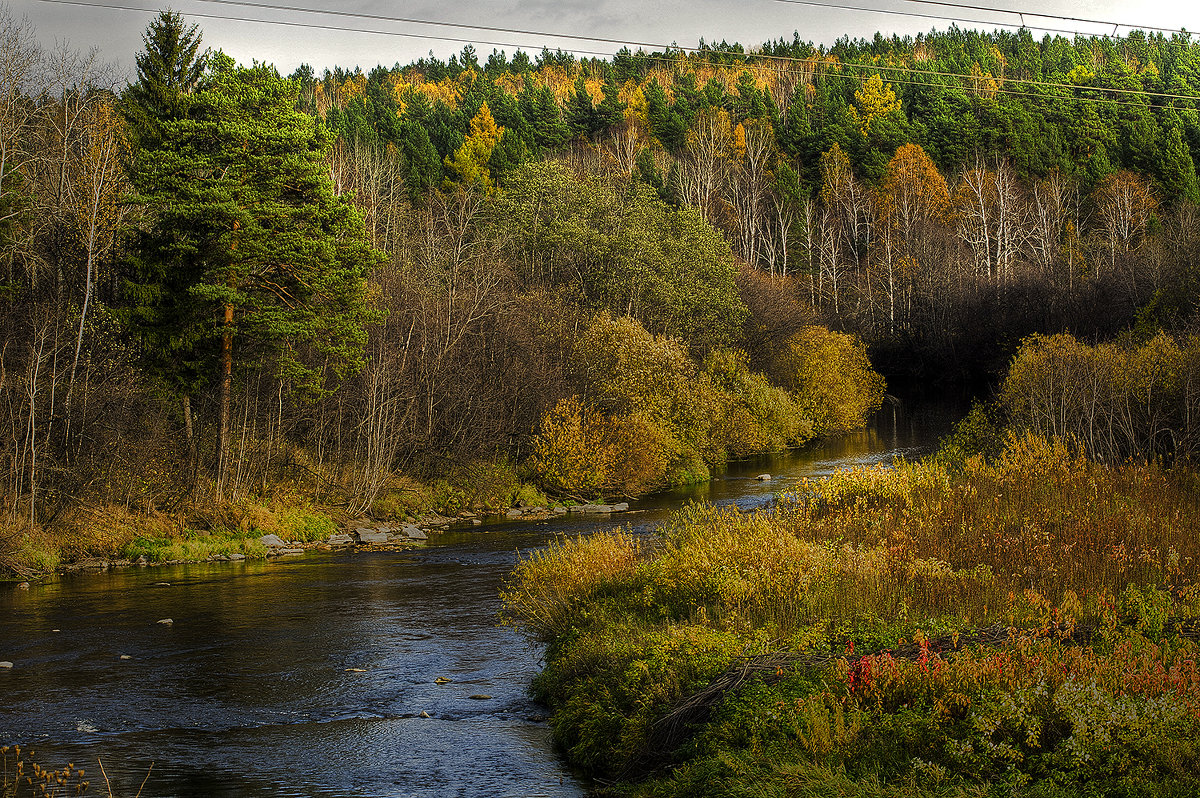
[{"x": 1039, "y": 528}]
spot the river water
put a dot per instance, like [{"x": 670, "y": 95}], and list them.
[{"x": 308, "y": 676}]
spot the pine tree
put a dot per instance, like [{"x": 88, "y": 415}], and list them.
[
  {"x": 248, "y": 253},
  {"x": 168, "y": 71}
]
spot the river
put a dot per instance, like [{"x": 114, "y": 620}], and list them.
[{"x": 313, "y": 675}]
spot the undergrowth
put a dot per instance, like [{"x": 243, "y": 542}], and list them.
[{"x": 1020, "y": 626}]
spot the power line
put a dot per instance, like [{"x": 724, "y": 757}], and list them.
[
  {"x": 1041, "y": 83},
  {"x": 576, "y": 37},
  {"x": 667, "y": 58},
  {"x": 311, "y": 25},
  {"x": 1043, "y": 15},
  {"x": 919, "y": 15},
  {"x": 463, "y": 25}
]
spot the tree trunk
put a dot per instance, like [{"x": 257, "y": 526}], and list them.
[
  {"x": 190, "y": 433},
  {"x": 226, "y": 393},
  {"x": 226, "y": 381}
]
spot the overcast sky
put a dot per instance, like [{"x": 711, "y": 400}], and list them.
[{"x": 287, "y": 38}]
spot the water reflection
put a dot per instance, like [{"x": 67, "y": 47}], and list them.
[{"x": 308, "y": 677}]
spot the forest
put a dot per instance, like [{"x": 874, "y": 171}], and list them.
[
  {"x": 234, "y": 299},
  {"x": 237, "y": 302}
]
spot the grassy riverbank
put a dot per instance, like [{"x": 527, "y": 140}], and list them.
[
  {"x": 1025, "y": 626},
  {"x": 199, "y": 532}
]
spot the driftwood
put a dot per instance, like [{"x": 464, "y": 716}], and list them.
[{"x": 678, "y": 723}]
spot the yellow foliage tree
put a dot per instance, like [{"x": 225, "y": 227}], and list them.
[
  {"x": 580, "y": 452},
  {"x": 831, "y": 377},
  {"x": 874, "y": 101},
  {"x": 469, "y": 162},
  {"x": 569, "y": 454}
]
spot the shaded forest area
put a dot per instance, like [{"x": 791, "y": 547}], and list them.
[
  {"x": 940, "y": 196},
  {"x": 420, "y": 286}
]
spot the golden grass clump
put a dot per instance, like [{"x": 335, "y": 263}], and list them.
[{"x": 550, "y": 586}]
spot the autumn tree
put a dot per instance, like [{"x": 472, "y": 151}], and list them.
[
  {"x": 874, "y": 101},
  {"x": 992, "y": 218},
  {"x": 1125, "y": 204},
  {"x": 469, "y": 163},
  {"x": 831, "y": 377},
  {"x": 912, "y": 201},
  {"x": 753, "y": 155},
  {"x": 706, "y": 163},
  {"x": 19, "y": 58},
  {"x": 846, "y": 224},
  {"x": 95, "y": 200}
]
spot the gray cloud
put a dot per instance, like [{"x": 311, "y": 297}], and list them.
[{"x": 117, "y": 33}]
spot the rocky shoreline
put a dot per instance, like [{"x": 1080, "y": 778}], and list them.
[{"x": 370, "y": 537}]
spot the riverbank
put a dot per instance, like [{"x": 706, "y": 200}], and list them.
[
  {"x": 286, "y": 531},
  {"x": 247, "y": 694},
  {"x": 1026, "y": 625}
]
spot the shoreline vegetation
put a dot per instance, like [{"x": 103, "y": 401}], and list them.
[
  {"x": 1023, "y": 626},
  {"x": 1018, "y": 614}
]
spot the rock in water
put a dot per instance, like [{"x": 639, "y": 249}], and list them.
[
  {"x": 272, "y": 541},
  {"x": 763, "y": 477},
  {"x": 371, "y": 536},
  {"x": 415, "y": 533},
  {"x": 479, "y": 697},
  {"x": 7, "y": 666},
  {"x": 166, "y": 621}
]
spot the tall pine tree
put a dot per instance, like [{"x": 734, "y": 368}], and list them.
[{"x": 248, "y": 252}]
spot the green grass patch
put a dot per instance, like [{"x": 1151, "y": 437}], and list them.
[{"x": 193, "y": 546}]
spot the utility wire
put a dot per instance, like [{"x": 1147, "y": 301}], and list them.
[
  {"x": 576, "y": 37},
  {"x": 666, "y": 58},
  {"x": 384, "y": 18},
  {"x": 1043, "y": 15},
  {"x": 1049, "y": 84},
  {"x": 919, "y": 15},
  {"x": 314, "y": 25}
]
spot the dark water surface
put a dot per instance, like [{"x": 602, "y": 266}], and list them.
[{"x": 307, "y": 676}]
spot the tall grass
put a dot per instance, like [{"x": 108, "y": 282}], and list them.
[
  {"x": 1041, "y": 517},
  {"x": 1039, "y": 541}
]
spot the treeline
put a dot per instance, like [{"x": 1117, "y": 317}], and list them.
[
  {"x": 221, "y": 284},
  {"x": 1128, "y": 399},
  {"x": 214, "y": 306},
  {"x": 942, "y": 196}
]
